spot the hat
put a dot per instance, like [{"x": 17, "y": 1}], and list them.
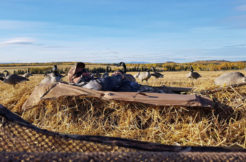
[{"x": 80, "y": 64}]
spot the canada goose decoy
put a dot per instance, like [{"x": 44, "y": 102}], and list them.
[
  {"x": 116, "y": 82},
  {"x": 127, "y": 76},
  {"x": 13, "y": 79},
  {"x": 52, "y": 77},
  {"x": 27, "y": 74},
  {"x": 156, "y": 74},
  {"x": 119, "y": 81},
  {"x": 192, "y": 74}
]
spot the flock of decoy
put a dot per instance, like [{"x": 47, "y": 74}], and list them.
[
  {"x": 13, "y": 79},
  {"x": 54, "y": 76},
  {"x": 147, "y": 75}
]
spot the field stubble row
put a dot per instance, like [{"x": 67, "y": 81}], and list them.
[{"x": 225, "y": 125}]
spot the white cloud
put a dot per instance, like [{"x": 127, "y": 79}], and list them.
[{"x": 17, "y": 41}]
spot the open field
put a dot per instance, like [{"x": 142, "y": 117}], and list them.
[{"x": 225, "y": 125}]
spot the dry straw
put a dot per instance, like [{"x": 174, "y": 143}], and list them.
[{"x": 224, "y": 125}]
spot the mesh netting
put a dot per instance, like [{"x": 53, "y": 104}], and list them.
[
  {"x": 124, "y": 156},
  {"x": 20, "y": 140}
]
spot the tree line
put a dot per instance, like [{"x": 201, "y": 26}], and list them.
[{"x": 101, "y": 68}]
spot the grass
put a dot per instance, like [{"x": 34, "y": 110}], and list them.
[{"x": 224, "y": 125}]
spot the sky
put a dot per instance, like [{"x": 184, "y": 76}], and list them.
[{"x": 109, "y": 31}]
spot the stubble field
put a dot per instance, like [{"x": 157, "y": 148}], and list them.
[{"x": 224, "y": 125}]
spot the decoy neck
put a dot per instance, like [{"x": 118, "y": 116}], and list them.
[
  {"x": 191, "y": 69},
  {"x": 154, "y": 70},
  {"x": 54, "y": 69},
  {"x": 124, "y": 66}
]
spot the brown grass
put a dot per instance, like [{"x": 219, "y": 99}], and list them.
[{"x": 224, "y": 125}]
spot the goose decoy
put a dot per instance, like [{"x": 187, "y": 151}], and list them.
[
  {"x": 27, "y": 74},
  {"x": 13, "y": 79},
  {"x": 192, "y": 74},
  {"x": 127, "y": 76},
  {"x": 52, "y": 77}
]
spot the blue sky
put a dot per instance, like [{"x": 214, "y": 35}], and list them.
[{"x": 122, "y": 30}]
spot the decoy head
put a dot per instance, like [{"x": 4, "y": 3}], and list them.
[
  {"x": 124, "y": 66},
  {"x": 6, "y": 73},
  {"x": 191, "y": 69},
  {"x": 120, "y": 64},
  {"x": 54, "y": 69}
]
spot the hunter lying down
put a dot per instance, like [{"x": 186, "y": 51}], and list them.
[{"x": 77, "y": 75}]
